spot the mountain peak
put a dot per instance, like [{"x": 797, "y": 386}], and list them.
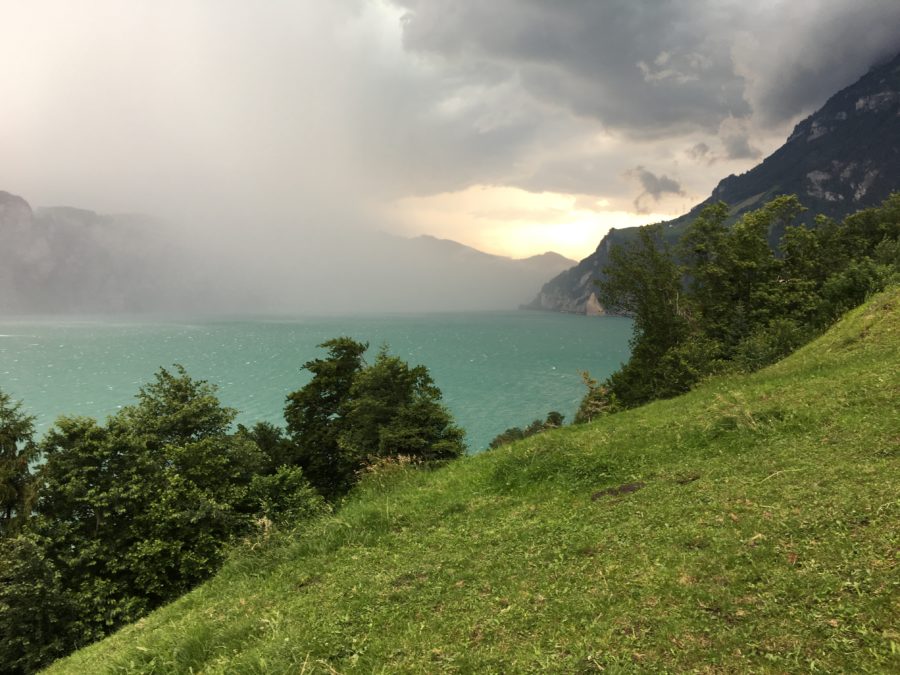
[{"x": 14, "y": 210}]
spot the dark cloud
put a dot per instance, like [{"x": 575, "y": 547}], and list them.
[
  {"x": 734, "y": 136},
  {"x": 655, "y": 187},
  {"x": 737, "y": 146},
  {"x": 646, "y": 67},
  {"x": 796, "y": 54},
  {"x": 651, "y": 68},
  {"x": 576, "y": 174}
]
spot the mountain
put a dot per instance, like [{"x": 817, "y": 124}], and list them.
[
  {"x": 429, "y": 274},
  {"x": 842, "y": 158},
  {"x": 70, "y": 260},
  {"x": 63, "y": 259}
]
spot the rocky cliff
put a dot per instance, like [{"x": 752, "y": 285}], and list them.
[
  {"x": 842, "y": 158},
  {"x": 64, "y": 259}
]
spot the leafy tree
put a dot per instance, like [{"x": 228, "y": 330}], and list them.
[
  {"x": 644, "y": 281},
  {"x": 554, "y": 420},
  {"x": 313, "y": 416},
  {"x": 509, "y": 436},
  {"x": 272, "y": 442},
  {"x": 350, "y": 414},
  {"x": 393, "y": 410},
  {"x": 731, "y": 300},
  {"x": 735, "y": 282},
  {"x": 17, "y": 451},
  {"x": 286, "y": 497},
  {"x": 133, "y": 513},
  {"x": 39, "y": 620},
  {"x": 176, "y": 409},
  {"x": 709, "y": 261},
  {"x": 598, "y": 401},
  {"x": 755, "y": 269}
]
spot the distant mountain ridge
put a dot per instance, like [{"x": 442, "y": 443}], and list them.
[
  {"x": 842, "y": 158},
  {"x": 64, "y": 259},
  {"x": 546, "y": 260}
]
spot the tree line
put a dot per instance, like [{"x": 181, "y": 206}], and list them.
[
  {"x": 102, "y": 522},
  {"x": 722, "y": 299}
]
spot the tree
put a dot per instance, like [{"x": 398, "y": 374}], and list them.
[
  {"x": 395, "y": 410},
  {"x": 709, "y": 261},
  {"x": 176, "y": 409},
  {"x": 272, "y": 442},
  {"x": 643, "y": 280},
  {"x": 314, "y": 414},
  {"x": 130, "y": 514},
  {"x": 735, "y": 302},
  {"x": 39, "y": 621},
  {"x": 598, "y": 401},
  {"x": 755, "y": 277},
  {"x": 17, "y": 452},
  {"x": 554, "y": 420},
  {"x": 350, "y": 414}
]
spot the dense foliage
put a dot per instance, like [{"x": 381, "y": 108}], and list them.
[
  {"x": 724, "y": 299},
  {"x": 119, "y": 518},
  {"x": 17, "y": 450},
  {"x": 313, "y": 415},
  {"x": 351, "y": 414},
  {"x": 128, "y": 515}
]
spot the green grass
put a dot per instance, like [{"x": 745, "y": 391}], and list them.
[{"x": 764, "y": 539}]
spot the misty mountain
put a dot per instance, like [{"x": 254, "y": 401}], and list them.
[
  {"x": 842, "y": 158},
  {"x": 74, "y": 260},
  {"x": 431, "y": 274},
  {"x": 71, "y": 260}
]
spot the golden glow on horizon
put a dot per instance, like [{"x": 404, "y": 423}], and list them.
[{"x": 514, "y": 222}]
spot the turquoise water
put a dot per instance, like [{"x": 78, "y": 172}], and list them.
[{"x": 496, "y": 370}]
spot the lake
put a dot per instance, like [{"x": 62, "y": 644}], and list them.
[{"x": 496, "y": 370}]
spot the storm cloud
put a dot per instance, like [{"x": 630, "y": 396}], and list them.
[
  {"x": 649, "y": 67},
  {"x": 294, "y": 129}
]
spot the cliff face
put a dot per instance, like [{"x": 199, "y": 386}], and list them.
[
  {"x": 73, "y": 260},
  {"x": 842, "y": 158}
]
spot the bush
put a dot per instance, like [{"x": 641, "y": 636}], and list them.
[
  {"x": 730, "y": 300},
  {"x": 554, "y": 420},
  {"x": 770, "y": 343},
  {"x": 132, "y": 513},
  {"x": 286, "y": 497}
]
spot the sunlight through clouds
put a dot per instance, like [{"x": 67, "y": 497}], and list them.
[{"x": 514, "y": 222}]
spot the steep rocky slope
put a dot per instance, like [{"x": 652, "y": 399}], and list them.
[{"x": 843, "y": 158}]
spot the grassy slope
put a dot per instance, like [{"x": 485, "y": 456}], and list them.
[{"x": 765, "y": 538}]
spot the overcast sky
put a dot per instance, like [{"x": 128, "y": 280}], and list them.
[{"x": 515, "y": 126}]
